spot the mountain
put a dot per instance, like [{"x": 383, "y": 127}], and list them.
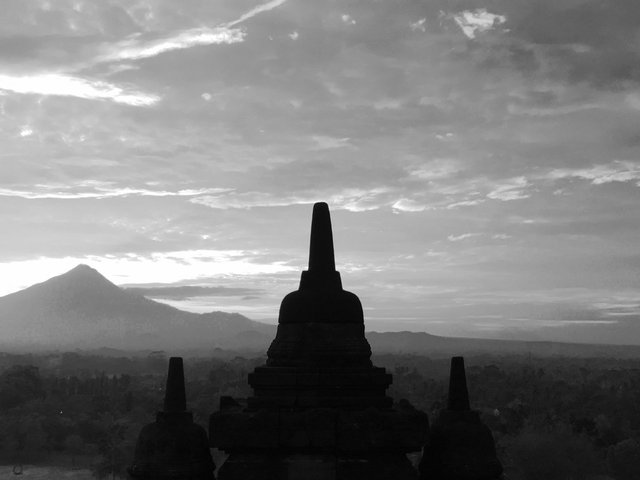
[
  {"x": 419, "y": 343},
  {"x": 82, "y": 309}
]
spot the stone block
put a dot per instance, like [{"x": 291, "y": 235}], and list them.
[
  {"x": 304, "y": 429},
  {"x": 230, "y": 430}
]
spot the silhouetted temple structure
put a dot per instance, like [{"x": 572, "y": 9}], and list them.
[
  {"x": 173, "y": 447},
  {"x": 459, "y": 446},
  {"x": 319, "y": 409}
]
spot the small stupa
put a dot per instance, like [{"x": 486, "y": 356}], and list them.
[
  {"x": 173, "y": 447},
  {"x": 319, "y": 408},
  {"x": 459, "y": 446}
]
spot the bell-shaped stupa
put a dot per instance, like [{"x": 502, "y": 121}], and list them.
[
  {"x": 459, "y": 446},
  {"x": 320, "y": 324},
  {"x": 320, "y": 356},
  {"x": 173, "y": 447},
  {"x": 319, "y": 408}
]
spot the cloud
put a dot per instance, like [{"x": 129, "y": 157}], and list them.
[
  {"x": 511, "y": 189},
  {"x": 323, "y": 142},
  {"x": 472, "y": 22},
  {"x": 265, "y": 7},
  {"x": 419, "y": 26},
  {"x": 465, "y": 203},
  {"x": 348, "y": 19},
  {"x": 99, "y": 190},
  {"x": 539, "y": 43},
  {"x": 501, "y": 117},
  {"x": 617, "y": 171},
  {"x": 188, "y": 291},
  {"x": 136, "y": 49},
  {"x": 72, "y": 86},
  {"x": 66, "y": 81},
  {"x": 436, "y": 169},
  {"x": 351, "y": 199},
  {"x": 464, "y": 236},
  {"x": 408, "y": 205},
  {"x": 26, "y": 131}
]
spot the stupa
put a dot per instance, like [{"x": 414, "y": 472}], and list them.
[
  {"x": 459, "y": 446},
  {"x": 173, "y": 447},
  {"x": 319, "y": 408}
]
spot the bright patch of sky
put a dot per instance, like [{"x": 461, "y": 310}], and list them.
[
  {"x": 472, "y": 22},
  {"x": 66, "y": 85},
  {"x": 162, "y": 267},
  {"x": 419, "y": 26}
]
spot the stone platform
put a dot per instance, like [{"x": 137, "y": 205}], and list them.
[
  {"x": 323, "y": 443},
  {"x": 322, "y": 430},
  {"x": 299, "y": 387}
]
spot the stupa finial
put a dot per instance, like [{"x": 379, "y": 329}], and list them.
[
  {"x": 321, "y": 255},
  {"x": 459, "y": 445},
  {"x": 175, "y": 397},
  {"x": 173, "y": 447},
  {"x": 458, "y": 393}
]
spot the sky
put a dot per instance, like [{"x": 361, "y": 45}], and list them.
[{"x": 481, "y": 158}]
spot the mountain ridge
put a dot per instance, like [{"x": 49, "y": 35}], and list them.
[
  {"x": 82, "y": 307},
  {"x": 422, "y": 343}
]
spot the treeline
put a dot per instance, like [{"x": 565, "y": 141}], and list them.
[
  {"x": 553, "y": 418},
  {"x": 80, "y": 414}
]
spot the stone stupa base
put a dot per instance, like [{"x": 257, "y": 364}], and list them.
[
  {"x": 316, "y": 466},
  {"x": 322, "y": 443},
  {"x": 311, "y": 387}
]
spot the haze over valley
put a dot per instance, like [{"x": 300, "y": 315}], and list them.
[{"x": 83, "y": 310}]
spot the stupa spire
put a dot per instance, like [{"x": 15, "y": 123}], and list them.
[
  {"x": 175, "y": 397},
  {"x": 458, "y": 393},
  {"x": 320, "y": 324},
  {"x": 321, "y": 255},
  {"x": 459, "y": 446},
  {"x": 173, "y": 447}
]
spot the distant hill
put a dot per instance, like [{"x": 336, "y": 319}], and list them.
[
  {"x": 419, "y": 343},
  {"x": 82, "y": 309}
]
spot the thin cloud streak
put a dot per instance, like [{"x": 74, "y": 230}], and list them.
[
  {"x": 101, "y": 192},
  {"x": 71, "y": 86},
  {"x": 184, "y": 292},
  {"x": 464, "y": 236},
  {"x": 473, "y": 21},
  {"x": 353, "y": 199},
  {"x": 617, "y": 171},
  {"x": 133, "y": 49},
  {"x": 265, "y": 7}
]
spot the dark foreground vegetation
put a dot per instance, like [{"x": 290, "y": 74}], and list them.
[{"x": 553, "y": 418}]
